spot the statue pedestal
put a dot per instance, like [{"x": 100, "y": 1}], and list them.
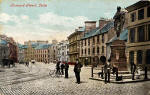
[{"x": 118, "y": 57}]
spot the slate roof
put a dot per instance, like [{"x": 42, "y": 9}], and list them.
[
  {"x": 91, "y": 33},
  {"x": 35, "y": 45},
  {"x": 43, "y": 46},
  {"x": 99, "y": 31},
  {"x": 106, "y": 28}
]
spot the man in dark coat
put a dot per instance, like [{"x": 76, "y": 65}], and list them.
[
  {"x": 133, "y": 69},
  {"x": 66, "y": 69},
  {"x": 58, "y": 67},
  {"x": 77, "y": 70},
  {"x": 62, "y": 68}
]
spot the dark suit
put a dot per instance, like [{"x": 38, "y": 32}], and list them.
[
  {"x": 66, "y": 70},
  {"x": 77, "y": 70}
]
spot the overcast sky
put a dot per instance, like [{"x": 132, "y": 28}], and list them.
[{"x": 56, "y": 21}]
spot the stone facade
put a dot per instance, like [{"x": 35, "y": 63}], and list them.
[
  {"x": 138, "y": 46},
  {"x": 74, "y": 44},
  {"x": 53, "y": 51},
  {"x": 93, "y": 44},
  {"x": 63, "y": 49}
]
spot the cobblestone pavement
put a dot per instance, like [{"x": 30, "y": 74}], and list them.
[{"x": 34, "y": 80}]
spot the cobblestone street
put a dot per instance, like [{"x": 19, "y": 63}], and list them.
[{"x": 34, "y": 80}]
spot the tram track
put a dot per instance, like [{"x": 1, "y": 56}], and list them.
[{"x": 15, "y": 77}]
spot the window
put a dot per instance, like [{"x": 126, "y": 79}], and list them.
[
  {"x": 97, "y": 50},
  {"x": 149, "y": 32},
  {"x": 131, "y": 57},
  {"x": 102, "y": 38},
  {"x": 93, "y": 50},
  {"x": 139, "y": 57},
  {"x": 93, "y": 40},
  {"x": 133, "y": 17},
  {"x": 141, "y": 14},
  {"x": 85, "y": 51},
  {"x": 102, "y": 49},
  {"x": 148, "y": 11},
  {"x": 132, "y": 35},
  {"x": 88, "y": 41},
  {"x": 89, "y": 51},
  {"x": 85, "y": 42},
  {"x": 97, "y": 38},
  {"x": 82, "y": 43},
  {"x": 148, "y": 56},
  {"x": 141, "y": 34}
]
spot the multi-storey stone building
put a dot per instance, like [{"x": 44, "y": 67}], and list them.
[
  {"x": 42, "y": 53},
  {"x": 8, "y": 48},
  {"x": 74, "y": 43},
  {"x": 37, "y": 50},
  {"x": 63, "y": 49},
  {"x": 139, "y": 33},
  {"x": 53, "y": 49},
  {"x": 93, "y": 43},
  {"x": 4, "y": 50}
]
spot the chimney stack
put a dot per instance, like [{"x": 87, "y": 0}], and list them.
[
  {"x": 89, "y": 25},
  {"x": 102, "y": 22}
]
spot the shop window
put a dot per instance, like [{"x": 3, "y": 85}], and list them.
[
  {"x": 141, "y": 34},
  {"x": 139, "y": 57},
  {"x": 132, "y": 35},
  {"x": 141, "y": 14}
]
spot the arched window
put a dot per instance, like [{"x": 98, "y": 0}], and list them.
[
  {"x": 148, "y": 56},
  {"x": 139, "y": 56}
]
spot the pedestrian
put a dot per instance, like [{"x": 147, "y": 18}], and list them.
[
  {"x": 66, "y": 69},
  {"x": 58, "y": 67},
  {"x": 27, "y": 64},
  {"x": 107, "y": 70},
  {"x": 62, "y": 68},
  {"x": 77, "y": 70},
  {"x": 133, "y": 69},
  {"x": 115, "y": 70}
]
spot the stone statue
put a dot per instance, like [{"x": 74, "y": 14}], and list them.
[{"x": 119, "y": 20}]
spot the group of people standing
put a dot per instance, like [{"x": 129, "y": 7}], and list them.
[
  {"x": 60, "y": 68},
  {"x": 77, "y": 69}
]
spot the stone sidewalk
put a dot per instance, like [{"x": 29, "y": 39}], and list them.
[{"x": 42, "y": 84}]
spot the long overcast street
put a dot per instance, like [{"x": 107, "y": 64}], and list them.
[{"x": 35, "y": 80}]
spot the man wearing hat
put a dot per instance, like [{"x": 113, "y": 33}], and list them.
[{"x": 77, "y": 70}]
